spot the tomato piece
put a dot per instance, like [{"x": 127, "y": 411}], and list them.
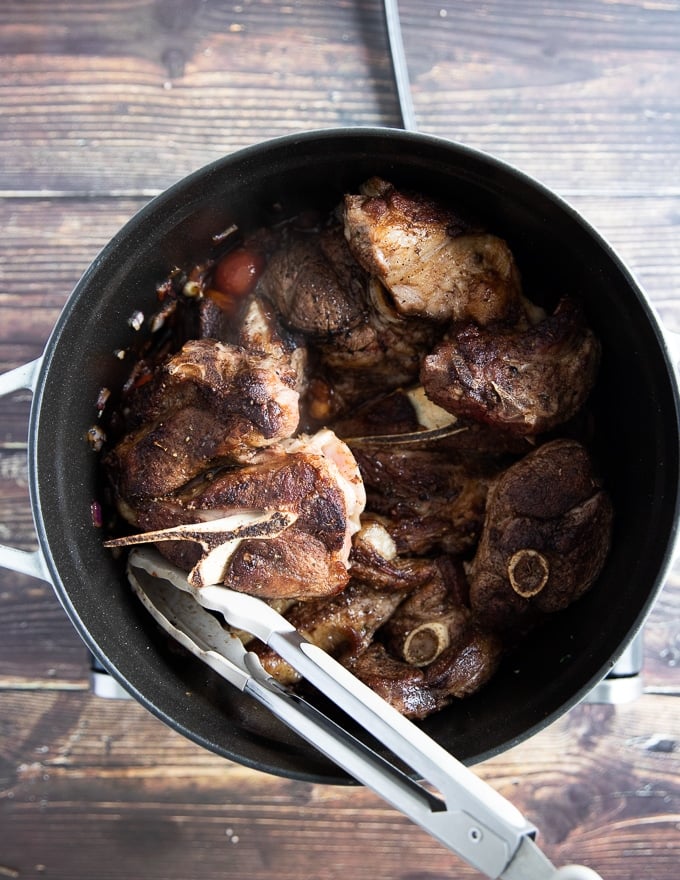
[{"x": 237, "y": 273}]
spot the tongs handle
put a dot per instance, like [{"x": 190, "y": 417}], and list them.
[
  {"x": 474, "y": 820},
  {"x": 355, "y": 757},
  {"x": 201, "y": 634}
]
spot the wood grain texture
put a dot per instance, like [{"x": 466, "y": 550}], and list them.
[
  {"x": 103, "y": 104},
  {"x": 156, "y": 89},
  {"x": 87, "y": 772},
  {"x": 148, "y": 91}
]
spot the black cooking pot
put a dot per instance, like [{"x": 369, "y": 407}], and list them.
[{"x": 635, "y": 402}]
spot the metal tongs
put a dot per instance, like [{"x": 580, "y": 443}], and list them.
[{"x": 465, "y": 814}]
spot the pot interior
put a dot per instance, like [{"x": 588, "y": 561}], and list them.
[{"x": 635, "y": 407}]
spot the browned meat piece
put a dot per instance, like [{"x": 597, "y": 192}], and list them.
[
  {"x": 466, "y": 665},
  {"x": 374, "y": 560},
  {"x": 432, "y": 617},
  {"x": 400, "y": 684},
  {"x": 343, "y": 625},
  {"x": 406, "y": 418},
  {"x": 523, "y": 381},
  {"x": 545, "y": 539},
  {"x": 315, "y": 478},
  {"x": 253, "y": 392},
  {"x": 363, "y": 346},
  {"x": 432, "y": 264},
  {"x": 295, "y": 565},
  {"x": 462, "y": 669},
  {"x": 161, "y": 457},
  {"x": 315, "y": 285},
  {"x": 425, "y": 501},
  {"x": 260, "y": 331},
  {"x": 390, "y": 414},
  {"x": 208, "y": 402}
]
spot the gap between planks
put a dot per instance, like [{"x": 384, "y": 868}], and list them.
[{"x": 9, "y": 683}]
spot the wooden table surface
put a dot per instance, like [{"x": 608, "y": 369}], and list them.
[{"x": 104, "y": 104}]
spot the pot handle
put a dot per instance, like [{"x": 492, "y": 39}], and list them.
[
  {"x": 672, "y": 339},
  {"x": 22, "y": 561}
]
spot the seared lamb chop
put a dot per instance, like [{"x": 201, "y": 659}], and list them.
[
  {"x": 463, "y": 668},
  {"x": 363, "y": 345},
  {"x": 432, "y": 617},
  {"x": 206, "y": 403},
  {"x": 315, "y": 479},
  {"x": 545, "y": 539},
  {"x": 431, "y": 262},
  {"x": 374, "y": 560},
  {"x": 425, "y": 500},
  {"x": 524, "y": 381}
]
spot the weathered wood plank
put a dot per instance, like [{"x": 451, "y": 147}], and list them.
[
  {"x": 40, "y": 647},
  {"x": 130, "y": 99},
  {"x": 155, "y": 92},
  {"x": 47, "y": 246},
  {"x": 135, "y": 789},
  {"x": 573, "y": 93}
]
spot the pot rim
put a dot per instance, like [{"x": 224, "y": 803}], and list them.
[{"x": 246, "y": 155}]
